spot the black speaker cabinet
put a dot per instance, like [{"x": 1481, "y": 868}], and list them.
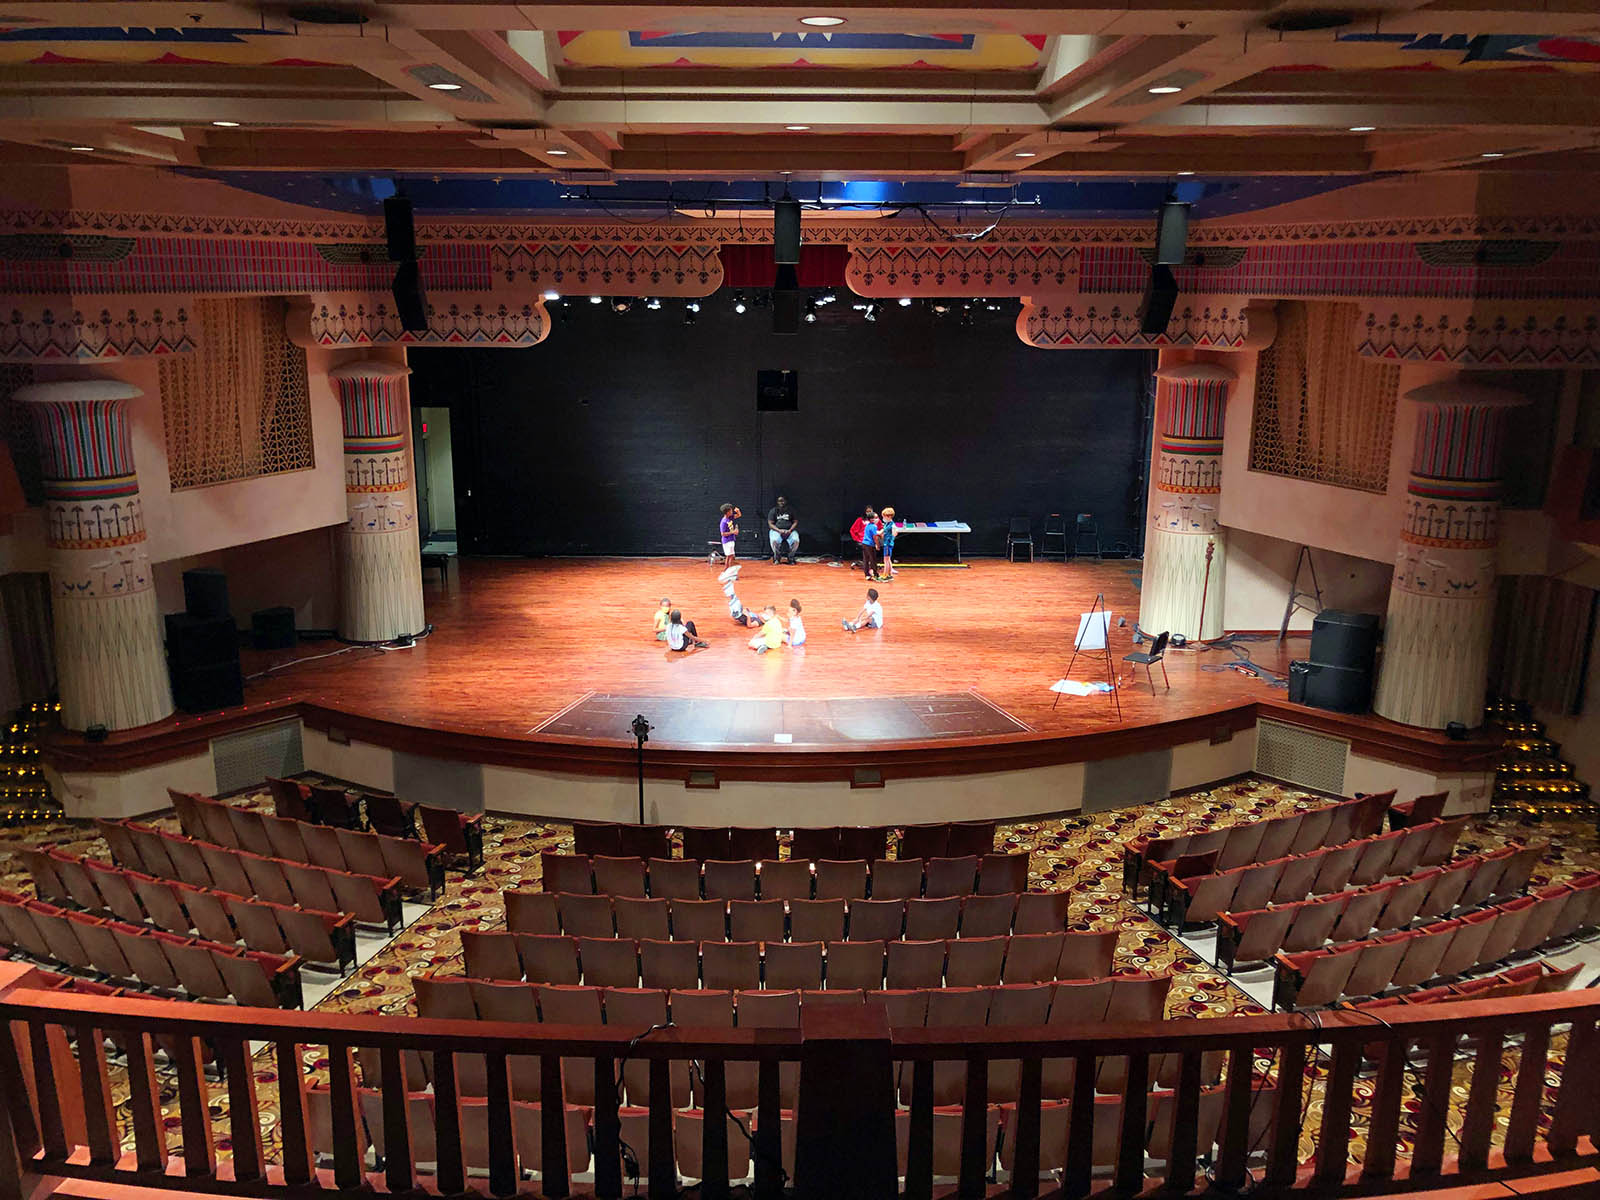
[
  {"x": 272, "y": 629},
  {"x": 205, "y": 593},
  {"x": 409, "y": 299},
  {"x": 1338, "y": 689},
  {"x": 399, "y": 228},
  {"x": 1298, "y": 670},
  {"x": 1160, "y": 294},
  {"x": 202, "y": 689},
  {"x": 200, "y": 641},
  {"x": 1345, "y": 639}
]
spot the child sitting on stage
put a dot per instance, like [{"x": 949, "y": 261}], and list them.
[
  {"x": 870, "y": 616},
  {"x": 663, "y": 616},
  {"x": 681, "y": 634},
  {"x": 771, "y": 635},
  {"x": 736, "y": 610},
  {"x": 797, "y": 628}
]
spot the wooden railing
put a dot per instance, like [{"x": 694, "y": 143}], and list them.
[{"x": 57, "y": 1084}]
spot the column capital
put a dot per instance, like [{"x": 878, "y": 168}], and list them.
[
  {"x": 1197, "y": 373},
  {"x": 369, "y": 368},
  {"x": 1465, "y": 395}
]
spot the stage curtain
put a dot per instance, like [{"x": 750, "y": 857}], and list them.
[
  {"x": 29, "y": 633},
  {"x": 239, "y": 405},
  {"x": 1322, "y": 413},
  {"x": 1542, "y": 630}
]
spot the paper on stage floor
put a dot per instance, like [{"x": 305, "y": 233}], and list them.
[{"x": 1071, "y": 687}]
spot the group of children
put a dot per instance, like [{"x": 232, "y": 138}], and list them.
[{"x": 874, "y": 533}]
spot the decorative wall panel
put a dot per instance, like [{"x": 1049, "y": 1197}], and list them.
[
  {"x": 52, "y": 330},
  {"x": 364, "y": 320},
  {"x": 1113, "y": 322}
]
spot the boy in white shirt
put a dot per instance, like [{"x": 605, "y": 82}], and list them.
[
  {"x": 870, "y": 616},
  {"x": 797, "y": 630}
]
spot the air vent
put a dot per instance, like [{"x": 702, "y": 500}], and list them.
[
  {"x": 1309, "y": 20},
  {"x": 1291, "y": 754},
  {"x": 244, "y": 759}
]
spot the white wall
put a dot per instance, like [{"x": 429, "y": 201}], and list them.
[
  {"x": 441, "y": 469},
  {"x": 1259, "y": 576}
]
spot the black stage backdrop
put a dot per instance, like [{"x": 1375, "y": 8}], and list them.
[{"x": 623, "y": 432}]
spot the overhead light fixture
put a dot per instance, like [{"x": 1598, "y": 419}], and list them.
[
  {"x": 739, "y": 305},
  {"x": 689, "y": 311},
  {"x": 226, "y": 124},
  {"x": 1163, "y": 89},
  {"x": 797, "y": 128},
  {"x": 652, "y": 304},
  {"x": 905, "y": 301},
  {"x": 556, "y": 152},
  {"x": 445, "y": 86},
  {"x": 1027, "y": 154},
  {"x": 941, "y": 307},
  {"x": 621, "y": 304},
  {"x": 822, "y": 22},
  {"x": 594, "y": 299},
  {"x": 693, "y": 306},
  {"x": 1185, "y": 172},
  {"x": 811, "y": 312},
  {"x": 1363, "y": 128},
  {"x": 872, "y": 311},
  {"x": 1492, "y": 154},
  {"x": 83, "y": 149}
]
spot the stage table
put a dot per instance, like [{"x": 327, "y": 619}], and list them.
[{"x": 948, "y": 529}]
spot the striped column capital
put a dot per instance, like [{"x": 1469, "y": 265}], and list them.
[
  {"x": 371, "y": 404},
  {"x": 82, "y": 430}
]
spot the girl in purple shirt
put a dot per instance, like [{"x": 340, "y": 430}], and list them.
[{"x": 728, "y": 532}]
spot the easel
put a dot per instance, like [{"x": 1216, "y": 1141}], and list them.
[{"x": 1104, "y": 624}]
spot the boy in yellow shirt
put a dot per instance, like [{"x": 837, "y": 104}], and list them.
[
  {"x": 662, "y": 615},
  {"x": 771, "y": 635}
]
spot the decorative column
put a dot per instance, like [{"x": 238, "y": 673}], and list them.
[
  {"x": 110, "y": 663},
  {"x": 1184, "y": 533},
  {"x": 1441, "y": 601},
  {"x": 381, "y": 560}
]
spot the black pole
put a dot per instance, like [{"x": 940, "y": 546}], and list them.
[{"x": 641, "y": 733}]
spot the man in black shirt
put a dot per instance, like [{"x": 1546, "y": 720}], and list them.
[{"x": 783, "y": 531}]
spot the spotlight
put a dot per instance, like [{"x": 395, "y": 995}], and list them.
[
  {"x": 594, "y": 299},
  {"x": 689, "y": 311},
  {"x": 826, "y": 298},
  {"x": 556, "y": 153},
  {"x": 739, "y": 305},
  {"x": 811, "y": 312},
  {"x": 872, "y": 312},
  {"x": 1492, "y": 154},
  {"x": 1363, "y": 128},
  {"x": 445, "y": 87},
  {"x": 1164, "y": 89},
  {"x": 693, "y": 306},
  {"x": 822, "y": 22},
  {"x": 552, "y": 295},
  {"x": 652, "y": 304},
  {"x": 621, "y": 304},
  {"x": 83, "y": 149},
  {"x": 941, "y": 307},
  {"x": 905, "y": 301}
]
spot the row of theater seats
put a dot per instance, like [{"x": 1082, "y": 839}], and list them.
[
  {"x": 945, "y": 839},
  {"x": 786, "y": 879},
  {"x": 1440, "y": 950},
  {"x": 776, "y": 920},
  {"x": 1529, "y": 979},
  {"x": 370, "y": 899},
  {"x": 869, "y": 965},
  {"x": 1258, "y": 841},
  {"x": 1076, "y": 1002},
  {"x": 150, "y": 957},
  {"x": 688, "y": 1133},
  {"x": 1190, "y": 891},
  {"x": 460, "y": 834},
  {"x": 418, "y": 864},
  {"x": 326, "y": 938},
  {"x": 1255, "y": 935}
]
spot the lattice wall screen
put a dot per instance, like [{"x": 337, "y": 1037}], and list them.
[
  {"x": 16, "y": 430},
  {"x": 238, "y": 406},
  {"x": 1322, "y": 412}
]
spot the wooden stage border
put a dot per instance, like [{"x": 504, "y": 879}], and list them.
[{"x": 186, "y": 736}]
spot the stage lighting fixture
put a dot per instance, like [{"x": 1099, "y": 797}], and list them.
[
  {"x": 826, "y": 298},
  {"x": 552, "y": 295},
  {"x": 689, "y": 311},
  {"x": 1172, "y": 233},
  {"x": 905, "y": 301},
  {"x": 941, "y": 307},
  {"x": 594, "y": 299},
  {"x": 693, "y": 306},
  {"x": 652, "y": 304},
  {"x": 739, "y": 305},
  {"x": 811, "y": 312},
  {"x": 872, "y": 312},
  {"x": 621, "y": 304}
]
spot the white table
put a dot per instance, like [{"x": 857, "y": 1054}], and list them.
[{"x": 948, "y": 529}]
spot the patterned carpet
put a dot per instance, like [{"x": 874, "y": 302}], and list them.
[{"x": 1080, "y": 855}]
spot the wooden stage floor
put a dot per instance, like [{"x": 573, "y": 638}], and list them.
[{"x": 517, "y": 644}]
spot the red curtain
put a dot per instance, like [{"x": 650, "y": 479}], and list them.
[{"x": 751, "y": 266}]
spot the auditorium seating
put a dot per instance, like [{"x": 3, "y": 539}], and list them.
[
  {"x": 603, "y": 960},
  {"x": 419, "y": 864},
  {"x": 1443, "y": 949},
  {"x": 1187, "y": 892},
  {"x": 1255, "y": 841},
  {"x": 1256, "y": 934},
  {"x": 144, "y": 956},
  {"x": 949, "y": 839},
  {"x": 785, "y": 879},
  {"x": 370, "y": 899},
  {"x": 325, "y": 937}
]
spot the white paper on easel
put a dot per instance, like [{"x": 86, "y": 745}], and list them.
[{"x": 1094, "y": 630}]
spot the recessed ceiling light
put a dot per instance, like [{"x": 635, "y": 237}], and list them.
[
  {"x": 1362, "y": 128},
  {"x": 83, "y": 149},
  {"x": 557, "y": 153},
  {"x": 594, "y": 299},
  {"x": 226, "y": 124},
  {"x": 445, "y": 87},
  {"x": 1185, "y": 172},
  {"x": 905, "y": 301},
  {"x": 552, "y": 295},
  {"x": 1164, "y": 89},
  {"x": 797, "y": 128},
  {"x": 1492, "y": 154},
  {"x": 822, "y": 22},
  {"x": 1027, "y": 154}
]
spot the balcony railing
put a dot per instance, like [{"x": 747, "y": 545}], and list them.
[{"x": 58, "y": 1079}]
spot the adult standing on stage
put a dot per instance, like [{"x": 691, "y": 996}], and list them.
[{"x": 783, "y": 531}]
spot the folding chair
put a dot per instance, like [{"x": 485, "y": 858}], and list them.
[{"x": 1145, "y": 659}]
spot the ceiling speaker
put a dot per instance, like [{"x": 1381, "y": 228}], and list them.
[
  {"x": 786, "y": 231},
  {"x": 399, "y": 228},
  {"x": 1160, "y": 294},
  {"x": 409, "y": 300}
]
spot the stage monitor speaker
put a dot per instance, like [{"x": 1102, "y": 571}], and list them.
[
  {"x": 272, "y": 628},
  {"x": 1338, "y": 689},
  {"x": 786, "y": 231},
  {"x": 202, "y": 689},
  {"x": 777, "y": 391},
  {"x": 399, "y": 229},
  {"x": 786, "y": 301},
  {"x": 1160, "y": 294},
  {"x": 1298, "y": 670},
  {"x": 409, "y": 300},
  {"x": 200, "y": 641},
  {"x": 205, "y": 593},
  {"x": 1345, "y": 639},
  {"x": 1172, "y": 233}
]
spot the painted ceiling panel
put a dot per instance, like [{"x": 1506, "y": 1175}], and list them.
[{"x": 619, "y": 49}]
